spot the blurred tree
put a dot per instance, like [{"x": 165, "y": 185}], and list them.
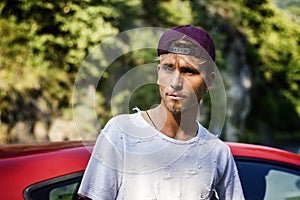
[
  {"x": 270, "y": 47},
  {"x": 41, "y": 53},
  {"x": 290, "y": 7},
  {"x": 277, "y": 70},
  {"x": 257, "y": 50}
]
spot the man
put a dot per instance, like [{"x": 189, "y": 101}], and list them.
[{"x": 164, "y": 153}]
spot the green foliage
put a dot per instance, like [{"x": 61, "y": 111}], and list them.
[
  {"x": 182, "y": 16},
  {"x": 278, "y": 55},
  {"x": 44, "y": 43},
  {"x": 291, "y": 7},
  {"x": 272, "y": 46},
  {"x": 276, "y": 39},
  {"x": 41, "y": 53}
]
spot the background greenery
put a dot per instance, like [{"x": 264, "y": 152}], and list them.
[{"x": 43, "y": 44}]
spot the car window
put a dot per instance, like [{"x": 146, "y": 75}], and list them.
[
  {"x": 260, "y": 181},
  {"x": 65, "y": 192},
  {"x": 269, "y": 180},
  {"x": 60, "y": 188},
  {"x": 282, "y": 185}
]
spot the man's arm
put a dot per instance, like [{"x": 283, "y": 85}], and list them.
[
  {"x": 103, "y": 175},
  {"x": 230, "y": 185}
]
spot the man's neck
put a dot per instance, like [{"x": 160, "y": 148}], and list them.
[{"x": 181, "y": 126}]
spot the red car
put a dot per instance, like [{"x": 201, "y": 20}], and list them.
[{"x": 54, "y": 171}]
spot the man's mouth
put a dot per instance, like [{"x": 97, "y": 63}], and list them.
[{"x": 175, "y": 96}]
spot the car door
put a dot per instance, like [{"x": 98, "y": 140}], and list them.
[{"x": 264, "y": 179}]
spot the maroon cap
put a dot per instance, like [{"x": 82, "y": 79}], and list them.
[{"x": 199, "y": 42}]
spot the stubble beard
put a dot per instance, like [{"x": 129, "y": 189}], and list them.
[
  {"x": 173, "y": 108},
  {"x": 176, "y": 107}
]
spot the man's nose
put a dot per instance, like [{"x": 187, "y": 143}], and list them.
[{"x": 176, "y": 81}]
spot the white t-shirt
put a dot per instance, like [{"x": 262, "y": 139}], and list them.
[{"x": 131, "y": 160}]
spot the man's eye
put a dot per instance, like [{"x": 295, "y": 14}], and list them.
[
  {"x": 190, "y": 71},
  {"x": 168, "y": 67}
]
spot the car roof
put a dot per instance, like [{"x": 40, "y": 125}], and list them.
[
  {"x": 22, "y": 165},
  {"x": 264, "y": 152},
  {"x": 49, "y": 160},
  {"x": 16, "y": 150},
  {"x": 237, "y": 149}
]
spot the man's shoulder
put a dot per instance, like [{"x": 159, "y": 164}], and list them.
[
  {"x": 121, "y": 118},
  {"x": 126, "y": 123},
  {"x": 215, "y": 139},
  {"x": 212, "y": 143}
]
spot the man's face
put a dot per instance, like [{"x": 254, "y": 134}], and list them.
[{"x": 181, "y": 80}]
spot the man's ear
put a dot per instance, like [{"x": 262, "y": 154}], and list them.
[
  {"x": 210, "y": 79},
  {"x": 158, "y": 68}
]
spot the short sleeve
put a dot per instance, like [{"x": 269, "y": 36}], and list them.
[
  {"x": 103, "y": 175},
  {"x": 229, "y": 186}
]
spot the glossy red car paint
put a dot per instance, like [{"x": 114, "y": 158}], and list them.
[
  {"x": 24, "y": 165},
  {"x": 263, "y": 152}
]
